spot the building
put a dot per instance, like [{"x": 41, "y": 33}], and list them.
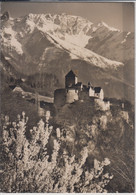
[
  {"x": 76, "y": 91},
  {"x": 91, "y": 91},
  {"x": 72, "y": 95},
  {"x": 71, "y": 79},
  {"x": 98, "y": 92},
  {"x": 18, "y": 89}
]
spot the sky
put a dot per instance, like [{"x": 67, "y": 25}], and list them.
[{"x": 119, "y": 15}]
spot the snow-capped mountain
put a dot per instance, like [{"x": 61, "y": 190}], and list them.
[
  {"x": 63, "y": 31},
  {"x": 112, "y": 43},
  {"x": 55, "y": 43}
]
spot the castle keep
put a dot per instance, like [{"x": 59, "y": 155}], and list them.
[{"x": 76, "y": 91}]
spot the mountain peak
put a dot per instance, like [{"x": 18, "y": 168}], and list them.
[{"x": 101, "y": 24}]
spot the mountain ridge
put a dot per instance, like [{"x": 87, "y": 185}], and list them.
[{"x": 53, "y": 43}]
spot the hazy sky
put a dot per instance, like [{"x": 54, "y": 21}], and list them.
[{"x": 118, "y": 15}]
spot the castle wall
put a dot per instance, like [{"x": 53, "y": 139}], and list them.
[
  {"x": 83, "y": 95},
  {"x": 75, "y": 91},
  {"x": 71, "y": 95},
  {"x": 100, "y": 95},
  {"x": 102, "y": 104},
  {"x": 60, "y": 97},
  {"x": 91, "y": 92}
]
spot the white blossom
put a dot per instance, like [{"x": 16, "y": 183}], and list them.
[{"x": 32, "y": 168}]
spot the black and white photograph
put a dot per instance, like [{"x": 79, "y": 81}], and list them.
[{"x": 67, "y": 97}]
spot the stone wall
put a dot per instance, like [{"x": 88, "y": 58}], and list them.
[
  {"x": 91, "y": 92},
  {"x": 100, "y": 95},
  {"x": 72, "y": 95},
  {"x": 83, "y": 95},
  {"x": 102, "y": 104},
  {"x": 60, "y": 97}
]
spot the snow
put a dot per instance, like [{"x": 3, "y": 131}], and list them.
[
  {"x": 21, "y": 34},
  {"x": 126, "y": 38},
  {"x": 11, "y": 18},
  {"x": 72, "y": 43},
  {"x": 18, "y": 19},
  {"x": 31, "y": 16},
  {"x": 83, "y": 53},
  {"x": 80, "y": 39},
  {"x": 123, "y": 41},
  {"x": 16, "y": 45},
  {"x": 31, "y": 25},
  {"x": 88, "y": 55},
  {"x": 47, "y": 25},
  {"x": 108, "y": 27},
  {"x": 94, "y": 29},
  {"x": 12, "y": 41},
  {"x": 9, "y": 31},
  {"x": 128, "y": 33},
  {"x": 73, "y": 57}
]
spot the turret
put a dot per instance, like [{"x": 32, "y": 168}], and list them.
[{"x": 71, "y": 79}]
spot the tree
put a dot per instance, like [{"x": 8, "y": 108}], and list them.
[{"x": 28, "y": 167}]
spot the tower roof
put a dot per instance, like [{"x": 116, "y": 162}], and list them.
[
  {"x": 78, "y": 84},
  {"x": 71, "y": 73},
  {"x": 97, "y": 89}
]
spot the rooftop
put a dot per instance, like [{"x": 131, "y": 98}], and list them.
[
  {"x": 97, "y": 89},
  {"x": 71, "y": 73}
]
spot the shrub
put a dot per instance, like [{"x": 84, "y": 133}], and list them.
[{"x": 28, "y": 167}]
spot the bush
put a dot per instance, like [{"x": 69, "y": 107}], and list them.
[
  {"x": 28, "y": 166},
  {"x": 13, "y": 104},
  {"x": 106, "y": 134}
]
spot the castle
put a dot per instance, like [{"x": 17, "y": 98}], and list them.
[{"x": 76, "y": 91}]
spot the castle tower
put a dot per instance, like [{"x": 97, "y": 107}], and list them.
[
  {"x": 71, "y": 79},
  {"x": 90, "y": 84}
]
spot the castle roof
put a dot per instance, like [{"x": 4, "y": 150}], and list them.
[
  {"x": 97, "y": 89},
  {"x": 12, "y": 86},
  {"x": 71, "y": 73},
  {"x": 18, "y": 89},
  {"x": 78, "y": 84}
]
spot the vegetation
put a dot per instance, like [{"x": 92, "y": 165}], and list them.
[
  {"x": 44, "y": 83},
  {"x": 106, "y": 134},
  {"x": 29, "y": 167},
  {"x": 13, "y": 104}
]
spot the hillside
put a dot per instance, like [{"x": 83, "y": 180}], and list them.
[
  {"x": 52, "y": 44},
  {"x": 80, "y": 137},
  {"x": 105, "y": 133}
]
